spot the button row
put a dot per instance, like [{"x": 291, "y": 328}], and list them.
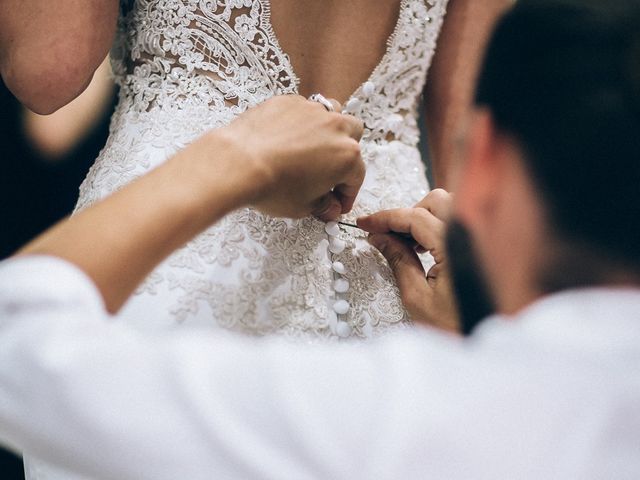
[{"x": 340, "y": 285}]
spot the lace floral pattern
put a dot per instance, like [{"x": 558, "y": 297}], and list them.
[
  {"x": 219, "y": 53},
  {"x": 185, "y": 66}
]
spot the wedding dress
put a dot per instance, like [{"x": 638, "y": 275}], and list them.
[{"x": 187, "y": 66}]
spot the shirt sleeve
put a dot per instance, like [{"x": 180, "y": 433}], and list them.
[
  {"x": 95, "y": 397},
  {"x": 36, "y": 293}
]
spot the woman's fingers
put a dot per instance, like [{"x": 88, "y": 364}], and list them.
[
  {"x": 337, "y": 106},
  {"x": 346, "y": 194},
  {"x": 347, "y": 190},
  {"x": 305, "y": 152},
  {"x": 349, "y": 187},
  {"x": 327, "y": 208},
  {"x": 351, "y": 125},
  {"x": 355, "y": 127}
]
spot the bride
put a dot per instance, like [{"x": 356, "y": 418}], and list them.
[{"x": 187, "y": 66}]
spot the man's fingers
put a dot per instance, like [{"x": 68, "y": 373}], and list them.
[
  {"x": 408, "y": 270},
  {"x": 395, "y": 220},
  {"x": 421, "y": 224},
  {"x": 435, "y": 273},
  {"x": 438, "y": 202}
]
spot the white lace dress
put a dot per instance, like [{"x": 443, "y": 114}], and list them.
[{"x": 186, "y": 66}]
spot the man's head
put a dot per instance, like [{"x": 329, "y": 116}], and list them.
[{"x": 550, "y": 186}]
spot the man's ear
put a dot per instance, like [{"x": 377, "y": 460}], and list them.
[{"x": 480, "y": 171}]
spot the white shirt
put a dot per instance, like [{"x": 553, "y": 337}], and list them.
[{"x": 552, "y": 394}]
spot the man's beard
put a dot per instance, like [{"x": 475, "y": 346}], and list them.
[{"x": 468, "y": 280}]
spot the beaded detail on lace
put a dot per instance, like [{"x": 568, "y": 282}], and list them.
[{"x": 186, "y": 66}]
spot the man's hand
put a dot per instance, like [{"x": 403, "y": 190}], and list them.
[
  {"x": 428, "y": 297},
  {"x": 308, "y": 160}
]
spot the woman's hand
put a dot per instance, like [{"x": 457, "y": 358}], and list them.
[
  {"x": 428, "y": 297},
  {"x": 306, "y": 160}
]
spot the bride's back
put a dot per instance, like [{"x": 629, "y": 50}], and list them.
[
  {"x": 187, "y": 66},
  {"x": 251, "y": 49},
  {"x": 334, "y": 45}
]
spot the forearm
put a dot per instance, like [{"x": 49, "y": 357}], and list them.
[
  {"x": 452, "y": 78},
  {"x": 49, "y": 50},
  {"x": 279, "y": 157},
  {"x": 118, "y": 241},
  {"x": 282, "y": 157}
]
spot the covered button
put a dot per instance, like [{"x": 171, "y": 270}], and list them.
[
  {"x": 343, "y": 329},
  {"x": 368, "y": 88},
  {"x": 341, "y": 307},
  {"x": 337, "y": 245},
  {"x": 332, "y": 229},
  {"x": 341, "y": 285},
  {"x": 353, "y": 104},
  {"x": 339, "y": 267}
]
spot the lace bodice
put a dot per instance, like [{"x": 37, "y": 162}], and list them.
[
  {"x": 185, "y": 66},
  {"x": 226, "y": 54}
]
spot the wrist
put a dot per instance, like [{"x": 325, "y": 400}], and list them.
[
  {"x": 222, "y": 175},
  {"x": 248, "y": 171}
]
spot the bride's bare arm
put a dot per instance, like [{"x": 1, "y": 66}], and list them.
[
  {"x": 449, "y": 89},
  {"x": 288, "y": 157},
  {"x": 50, "y": 49}
]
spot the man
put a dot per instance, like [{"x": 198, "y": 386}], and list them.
[{"x": 547, "y": 190}]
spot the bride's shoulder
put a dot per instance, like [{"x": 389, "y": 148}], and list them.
[{"x": 46, "y": 79}]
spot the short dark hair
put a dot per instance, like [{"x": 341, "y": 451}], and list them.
[{"x": 563, "y": 78}]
